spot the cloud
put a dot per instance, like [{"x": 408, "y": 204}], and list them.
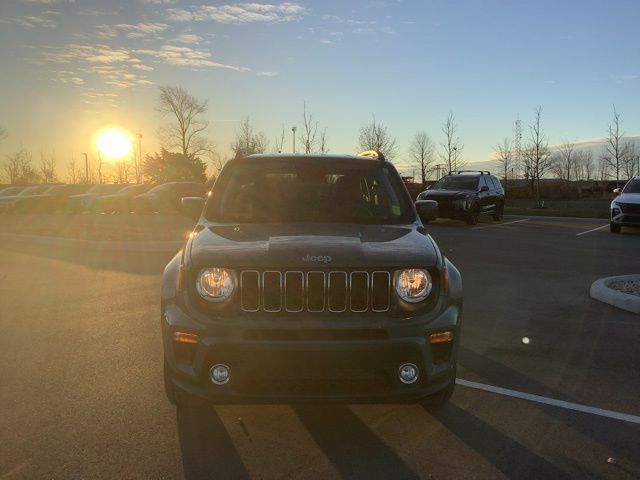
[
  {"x": 135, "y": 31},
  {"x": 239, "y": 13},
  {"x": 187, "y": 57},
  {"x": 30, "y": 21},
  {"x": 188, "y": 38},
  {"x": 48, "y": 2},
  {"x": 158, "y": 2}
]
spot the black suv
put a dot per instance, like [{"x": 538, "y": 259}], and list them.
[
  {"x": 466, "y": 195},
  {"x": 310, "y": 278}
]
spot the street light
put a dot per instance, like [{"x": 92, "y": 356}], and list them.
[
  {"x": 86, "y": 167},
  {"x": 293, "y": 131}
]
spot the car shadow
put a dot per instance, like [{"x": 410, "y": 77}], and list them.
[
  {"x": 353, "y": 449},
  {"x": 143, "y": 263},
  {"x": 616, "y": 435},
  {"x": 507, "y": 455},
  {"x": 207, "y": 449}
]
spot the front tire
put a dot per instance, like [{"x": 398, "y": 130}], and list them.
[
  {"x": 615, "y": 228},
  {"x": 499, "y": 213},
  {"x": 440, "y": 399},
  {"x": 474, "y": 215}
]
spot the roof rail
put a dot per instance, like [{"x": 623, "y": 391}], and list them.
[
  {"x": 482, "y": 172},
  {"x": 373, "y": 154}
]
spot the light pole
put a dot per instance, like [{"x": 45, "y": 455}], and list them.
[
  {"x": 293, "y": 131},
  {"x": 139, "y": 165},
  {"x": 86, "y": 167}
]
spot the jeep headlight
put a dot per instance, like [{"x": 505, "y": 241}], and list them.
[
  {"x": 413, "y": 284},
  {"x": 462, "y": 203},
  {"x": 215, "y": 284}
]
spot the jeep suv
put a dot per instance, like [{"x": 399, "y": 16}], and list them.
[
  {"x": 625, "y": 208},
  {"x": 310, "y": 278},
  {"x": 466, "y": 195}
]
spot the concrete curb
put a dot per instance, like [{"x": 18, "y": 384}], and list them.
[
  {"x": 112, "y": 246},
  {"x": 600, "y": 291}
]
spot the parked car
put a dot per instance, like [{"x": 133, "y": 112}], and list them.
[
  {"x": 7, "y": 202},
  {"x": 121, "y": 202},
  {"x": 625, "y": 208},
  {"x": 310, "y": 278},
  {"x": 86, "y": 201},
  {"x": 166, "y": 198},
  {"x": 465, "y": 195},
  {"x": 51, "y": 200},
  {"x": 11, "y": 191}
]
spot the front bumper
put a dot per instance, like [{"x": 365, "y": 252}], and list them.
[
  {"x": 624, "y": 219},
  {"x": 277, "y": 364}
]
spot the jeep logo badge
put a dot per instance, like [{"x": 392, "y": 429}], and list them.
[{"x": 316, "y": 258}]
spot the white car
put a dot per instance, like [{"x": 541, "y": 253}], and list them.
[{"x": 625, "y": 208}]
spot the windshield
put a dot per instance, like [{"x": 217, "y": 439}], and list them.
[
  {"x": 134, "y": 189},
  {"x": 456, "y": 183},
  {"x": 106, "y": 188},
  {"x": 308, "y": 191},
  {"x": 632, "y": 187},
  {"x": 32, "y": 191}
]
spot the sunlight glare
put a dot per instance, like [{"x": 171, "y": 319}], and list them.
[{"x": 114, "y": 143}]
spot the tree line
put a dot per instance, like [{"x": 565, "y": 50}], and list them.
[{"x": 187, "y": 150}]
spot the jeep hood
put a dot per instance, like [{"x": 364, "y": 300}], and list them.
[
  {"x": 311, "y": 246},
  {"x": 446, "y": 194}
]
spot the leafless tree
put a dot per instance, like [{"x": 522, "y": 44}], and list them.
[
  {"x": 309, "y": 131},
  {"x": 3, "y": 134},
  {"x": 630, "y": 165},
  {"x": 18, "y": 168},
  {"x": 537, "y": 152},
  {"x": 505, "y": 157},
  {"x": 564, "y": 161},
  {"x": 186, "y": 128},
  {"x": 48, "y": 168},
  {"x": 278, "y": 143},
  {"x": 616, "y": 149},
  {"x": 73, "y": 172},
  {"x": 583, "y": 165},
  {"x": 375, "y": 136},
  {"x": 421, "y": 152},
  {"x": 452, "y": 149},
  {"x": 323, "y": 141},
  {"x": 247, "y": 141},
  {"x": 603, "y": 169}
]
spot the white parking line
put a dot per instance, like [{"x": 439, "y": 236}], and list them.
[
  {"x": 592, "y": 230},
  {"x": 625, "y": 417},
  {"x": 500, "y": 224}
]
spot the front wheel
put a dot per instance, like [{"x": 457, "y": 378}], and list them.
[
  {"x": 615, "y": 228},
  {"x": 497, "y": 216},
  {"x": 440, "y": 399},
  {"x": 474, "y": 215}
]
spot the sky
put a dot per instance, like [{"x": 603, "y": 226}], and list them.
[{"x": 71, "y": 67}]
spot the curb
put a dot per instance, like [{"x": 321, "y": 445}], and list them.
[
  {"x": 72, "y": 243},
  {"x": 600, "y": 291}
]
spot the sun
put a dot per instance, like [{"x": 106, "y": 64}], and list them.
[{"x": 114, "y": 143}]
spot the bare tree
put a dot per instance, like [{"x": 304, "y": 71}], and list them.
[
  {"x": 421, "y": 152},
  {"x": 247, "y": 141},
  {"x": 18, "y": 168},
  {"x": 374, "y": 136},
  {"x": 3, "y": 134},
  {"x": 323, "y": 141},
  {"x": 631, "y": 161},
  {"x": 616, "y": 149},
  {"x": 278, "y": 143},
  {"x": 583, "y": 165},
  {"x": 186, "y": 130},
  {"x": 564, "y": 161},
  {"x": 451, "y": 148},
  {"x": 74, "y": 175},
  {"x": 537, "y": 152},
  {"x": 309, "y": 131},
  {"x": 505, "y": 157},
  {"x": 48, "y": 168}
]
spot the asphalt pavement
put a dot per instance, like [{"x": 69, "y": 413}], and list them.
[{"x": 82, "y": 397}]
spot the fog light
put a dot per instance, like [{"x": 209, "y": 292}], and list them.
[
  {"x": 220, "y": 374},
  {"x": 182, "y": 337},
  {"x": 408, "y": 373}
]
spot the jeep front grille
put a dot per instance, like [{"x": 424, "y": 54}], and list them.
[
  {"x": 630, "y": 208},
  {"x": 315, "y": 291}
]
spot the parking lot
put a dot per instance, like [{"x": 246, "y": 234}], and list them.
[{"x": 82, "y": 395}]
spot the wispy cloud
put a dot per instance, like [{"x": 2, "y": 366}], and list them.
[
  {"x": 188, "y": 38},
  {"x": 239, "y": 13},
  {"x": 135, "y": 31},
  {"x": 30, "y": 21},
  {"x": 48, "y": 2},
  {"x": 158, "y": 2}
]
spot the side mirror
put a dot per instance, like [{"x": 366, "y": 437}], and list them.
[
  {"x": 427, "y": 210},
  {"x": 484, "y": 188},
  {"x": 616, "y": 191},
  {"x": 192, "y": 206}
]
